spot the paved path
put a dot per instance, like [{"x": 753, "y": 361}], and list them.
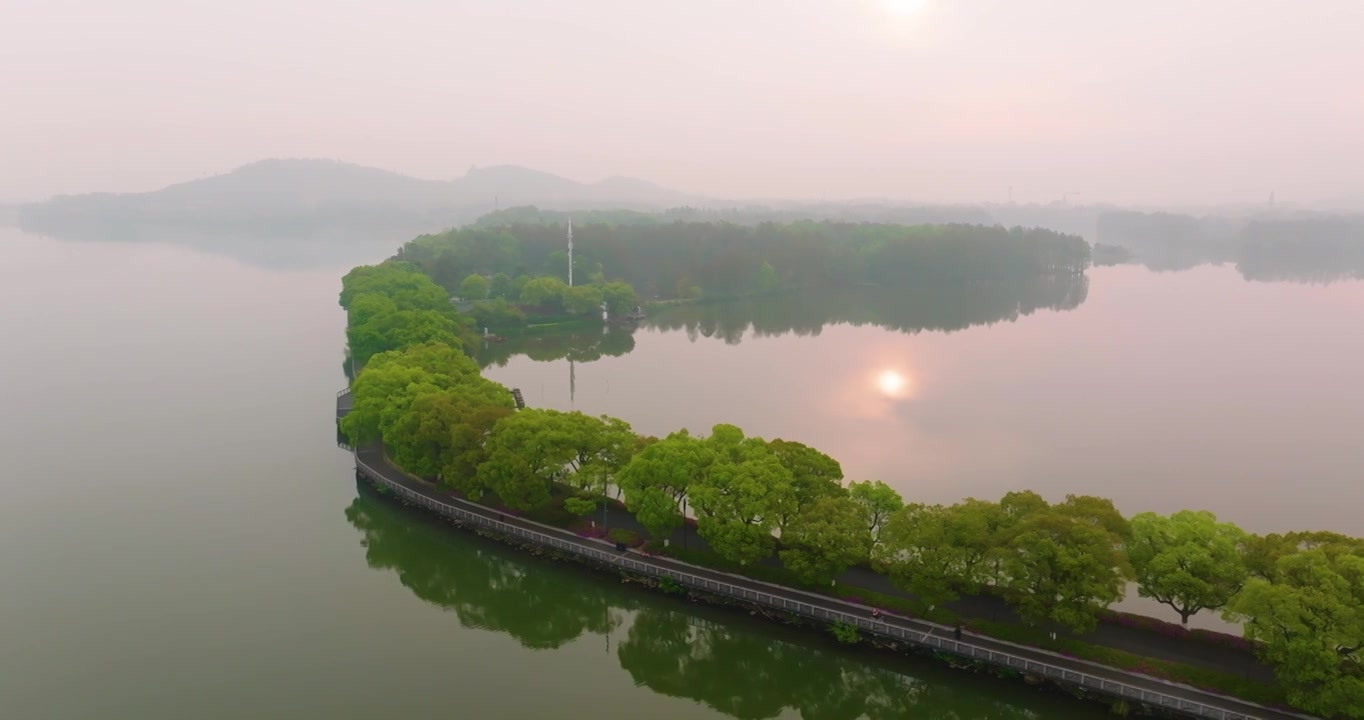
[{"x": 373, "y": 457}]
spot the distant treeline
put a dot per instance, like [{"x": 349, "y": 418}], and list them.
[
  {"x": 701, "y": 259},
  {"x": 749, "y": 215},
  {"x": 1304, "y": 248}
]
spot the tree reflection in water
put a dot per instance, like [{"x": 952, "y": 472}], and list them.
[
  {"x": 939, "y": 306},
  {"x": 541, "y": 605},
  {"x": 743, "y": 669}
]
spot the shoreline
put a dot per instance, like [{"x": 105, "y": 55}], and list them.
[{"x": 1087, "y": 680}]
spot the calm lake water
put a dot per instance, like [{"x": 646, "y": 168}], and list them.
[
  {"x": 1162, "y": 391},
  {"x": 183, "y": 538}
]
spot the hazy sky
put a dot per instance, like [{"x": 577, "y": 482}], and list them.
[{"x": 1153, "y": 101}]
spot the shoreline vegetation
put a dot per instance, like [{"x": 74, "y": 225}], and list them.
[{"x": 780, "y": 511}]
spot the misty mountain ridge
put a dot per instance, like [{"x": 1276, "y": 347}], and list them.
[{"x": 295, "y": 189}]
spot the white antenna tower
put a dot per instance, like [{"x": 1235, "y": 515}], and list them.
[{"x": 570, "y": 252}]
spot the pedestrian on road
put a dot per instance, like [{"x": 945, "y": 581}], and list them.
[{"x": 956, "y": 632}]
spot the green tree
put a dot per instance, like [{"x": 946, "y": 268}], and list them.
[
  {"x": 655, "y": 481},
  {"x": 1187, "y": 560},
  {"x": 740, "y": 495},
  {"x": 620, "y": 298},
  {"x": 526, "y": 453},
  {"x": 1062, "y": 568},
  {"x": 395, "y": 330},
  {"x": 419, "y": 439},
  {"x": 1099, "y": 512},
  {"x": 468, "y": 449},
  {"x": 877, "y": 501},
  {"x": 497, "y": 314},
  {"x": 544, "y": 291},
  {"x": 582, "y": 299},
  {"x": 500, "y": 287},
  {"x": 1309, "y": 618},
  {"x": 518, "y": 284},
  {"x": 814, "y": 476},
  {"x": 367, "y": 306},
  {"x": 604, "y": 446},
  {"x": 474, "y": 287},
  {"x": 824, "y": 539},
  {"x": 531, "y": 450},
  {"x": 934, "y": 552},
  {"x": 388, "y": 383}
]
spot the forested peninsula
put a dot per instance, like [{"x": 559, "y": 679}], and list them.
[{"x": 782, "y": 510}]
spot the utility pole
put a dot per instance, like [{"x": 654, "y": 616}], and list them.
[{"x": 570, "y": 252}]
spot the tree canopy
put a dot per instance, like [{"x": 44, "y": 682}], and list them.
[
  {"x": 1309, "y": 617},
  {"x": 721, "y": 259},
  {"x": 1187, "y": 560}
]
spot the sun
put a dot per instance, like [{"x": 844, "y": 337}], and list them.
[
  {"x": 903, "y": 8},
  {"x": 891, "y": 383}
]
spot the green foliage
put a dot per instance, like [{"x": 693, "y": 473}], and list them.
[
  {"x": 824, "y": 539},
  {"x": 845, "y": 633},
  {"x": 582, "y": 299},
  {"x": 1063, "y": 563},
  {"x": 417, "y": 400},
  {"x": 740, "y": 496},
  {"x": 688, "y": 259},
  {"x": 398, "y": 329},
  {"x": 656, "y": 480},
  {"x": 582, "y": 506},
  {"x": 623, "y": 536},
  {"x": 468, "y": 449},
  {"x": 814, "y": 476},
  {"x": 497, "y": 314},
  {"x": 1310, "y": 619},
  {"x": 529, "y": 451},
  {"x": 671, "y": 586},
  {"x": 474, "y": 287},
  {"x": 392, "y": 305},
  {"x": 934, "y": 552},
  {"x": 1187, "y": 560},
  {"x": 877, "y": 501},
  {"x": 500, "y": 287},
  {"x": 620, "y": 298},
  {"x": 544, "y": 291}
]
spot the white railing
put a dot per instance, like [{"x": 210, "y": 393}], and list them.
[{"x": 927, "y": 639}]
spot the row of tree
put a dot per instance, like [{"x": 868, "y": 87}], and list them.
[
  {"x": 1302, "y": 247},
  {"x": 1301, "y": 596},
  {"x": 720, "y": 259},
  {"x": 503, "y": 301},
  {"x": 392, "y": 305}
]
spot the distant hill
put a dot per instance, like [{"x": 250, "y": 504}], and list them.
[{"x": 294, "y": 191}]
